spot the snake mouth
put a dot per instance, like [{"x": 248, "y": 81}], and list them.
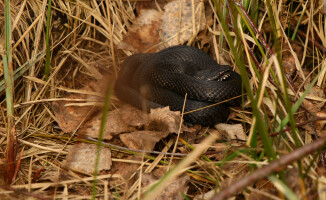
[
  {"x": 221, "y": 76},
  {"x": 213, "y": 75}
]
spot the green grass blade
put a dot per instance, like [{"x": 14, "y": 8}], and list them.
[
  {"x": 47, "y": 38},
  {"x": 100, "y": 138},
  {"x": 260, "y": 124},
  {"x": 7, "y": 68},
  {"x": 299, "y": 21},
  {"x": 9, "y": 83},
  {"x": 222, "y": 36},
  {"x": 282, "y": 187},
  {"x": 297, "y": 104},
  {"x": 22, "y": 69},
  {"x": 169, "y": 176},
  {"x": 253, "y": 35}
]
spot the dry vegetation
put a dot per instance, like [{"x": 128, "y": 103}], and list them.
[{"x": 57, "y": 120}]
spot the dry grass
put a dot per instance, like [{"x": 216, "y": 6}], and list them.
[{"x": 83, "y": 43}]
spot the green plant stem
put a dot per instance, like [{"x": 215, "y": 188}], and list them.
[
  {"x": 260, "y": 124},
  {"x": 100, "y": 138},
  {"x": 9, "y": 84},
  {"x": 47, "y": 38}
]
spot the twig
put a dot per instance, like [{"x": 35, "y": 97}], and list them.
[
  {"x": 298, "y": 125},
  {"x": 270, "y": 52},
  {"x": 20, "y": 191},
  {"x": 265, "y": 171},
  {"x": 81, "y": 138},
  {"x": 133, "y": 150},
  {"x": 310, "y": 40}
]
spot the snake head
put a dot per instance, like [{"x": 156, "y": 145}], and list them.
[{"x": 219, "y": 73}]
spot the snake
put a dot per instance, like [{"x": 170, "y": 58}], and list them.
[{"x": 182, "y": 77}]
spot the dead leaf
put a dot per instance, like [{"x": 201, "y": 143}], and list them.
[
  {"x": 162, "y": 119},
  {"x": 232, "y": 131},
  {"x": 311, "y": 106},
  {"x": 174, "y": 191},
  {"x": 81, "y": 157},
  {"x": 54, "y": 174},
  {"x": 320, "y": 124},
  {"x": 70, "y": 117},
  {"x": 143, "y": 34},
  {"x": 289, "y": 59},
  {"x": 177, "y": 27},
  {"x": 142, "y": 5},
  {"x": 144, "y": 140},
  {"x": 260, "y": 194},
  {"x": 133, "y": 116},
  {"x": 114, "y": 126},
  {"x": 314, "y": 106},
  {"x": 124, "y": 119},
  {"x": 315, "y": 91},
  {"x": 126, "y": 169},
  {"x": 130, "y": 119},
  {"x": 172, "y": 26}
]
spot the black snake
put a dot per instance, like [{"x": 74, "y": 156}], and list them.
[{"x": 152, "y": 80}]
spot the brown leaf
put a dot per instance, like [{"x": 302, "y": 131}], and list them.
[
  {"x": 129, "y": 119},
  {"x": 260, "y": 194},
  {"x": 82, "y": 156},
  {"x": 55, "y": 174},
  {"x": 288, "y": 57},
  {"x": 150, "y": 26},
  {"x": 142, "y": 5},
  {"x": 320, "y": 125},
  {"x": 144, "y": 140},
  {"x": 162, "y": 119},
  {"x": 174, "y": 191},
  {"x": 144, "y": 33},
  {"x": 69, "y": 117},
  {"x": 126, "y": 169},
  {"x": 133, "y": 116},
  {"x": 124, "y": 119},
  {"x": 176, "y": 28},
  {"x": 314, "y": 91},
  {"x": 231, "y": 131}
]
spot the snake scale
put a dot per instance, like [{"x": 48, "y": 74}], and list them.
[{"x": 153, "y": 80}]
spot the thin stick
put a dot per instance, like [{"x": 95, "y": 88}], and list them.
[{"x": 274, "y": 166}]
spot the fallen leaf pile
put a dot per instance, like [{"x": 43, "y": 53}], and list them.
[
  {"x": 127, "y": 127},
  {"x": 51, "y": 145},
  {"x": 153, "y": 29},
  {"x": 157, "y": 26}
]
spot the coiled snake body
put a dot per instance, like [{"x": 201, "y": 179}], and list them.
[{"x": 152, "y": 80}]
